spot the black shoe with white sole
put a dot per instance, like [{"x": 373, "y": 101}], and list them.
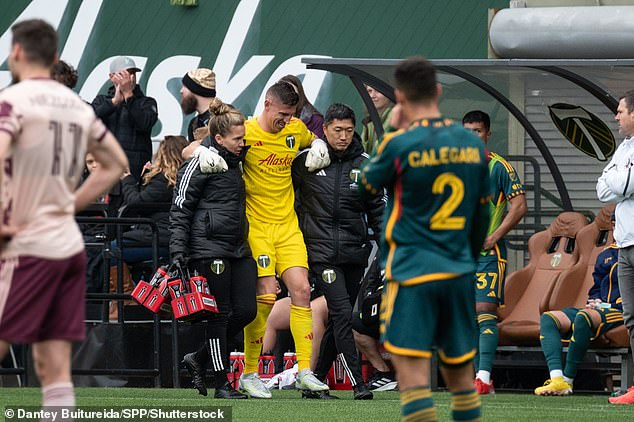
[{"x": 382, "y": 381}]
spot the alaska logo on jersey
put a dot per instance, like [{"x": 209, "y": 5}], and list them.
[
  {"x": 217, "y": 266},
  {"x": 290, "y": 141},
  {"x": 584, "y": 130},
  {"x": 274, "y": 160},
  {"x": 264, "y": 261}
]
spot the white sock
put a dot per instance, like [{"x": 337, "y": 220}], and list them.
[
  {"x": 556, "y": 373},
  {"x": 568, "y": 380},
  {"x": 485, "y": 376},
  {"x": 58, "y": 394}
]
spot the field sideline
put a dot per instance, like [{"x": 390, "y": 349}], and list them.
[{"x": 288, "y": 406}]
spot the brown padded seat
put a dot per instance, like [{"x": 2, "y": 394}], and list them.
[
  {"x": 552, "y": 252},
  {"x": 571, "y": 290}
]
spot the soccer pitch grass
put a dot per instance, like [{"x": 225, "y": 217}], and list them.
[{"x": 288, "y": 405}]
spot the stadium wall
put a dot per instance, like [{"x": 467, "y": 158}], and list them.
[{"x": 248, "y": 43}]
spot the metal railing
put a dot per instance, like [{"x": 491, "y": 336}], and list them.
[{"x": 156, "y": 371}]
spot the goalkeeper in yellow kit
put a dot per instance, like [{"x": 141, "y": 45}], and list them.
[{"x": 277, "y": 244}]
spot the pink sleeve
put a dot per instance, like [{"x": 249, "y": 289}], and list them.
[{"x": 9, "y": 119}]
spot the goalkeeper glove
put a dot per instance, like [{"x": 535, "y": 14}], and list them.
[
  {"x": 317, "y": 157},
  {"x": 209, "y": 160}
]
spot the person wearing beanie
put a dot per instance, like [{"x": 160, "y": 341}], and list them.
[
  {"x": 199, "y": 87},
  {"x": 128, "y": 113}
]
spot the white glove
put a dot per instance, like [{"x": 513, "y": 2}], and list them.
[
  {"x": 209, "y": 160},
  {"x": 317, "y": 157}
]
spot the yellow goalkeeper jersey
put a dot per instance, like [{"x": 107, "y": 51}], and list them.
[{"x": 267, "y": 169}]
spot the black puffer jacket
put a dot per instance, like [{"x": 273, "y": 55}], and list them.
[
  {"x": 131, "y": 123},
  {"x": 208, "y": 215},
  {"x": 331, "y": 213},
  {"x": 156, "y": 191}
]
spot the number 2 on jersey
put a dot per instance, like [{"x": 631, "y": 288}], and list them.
[{"x": 442, "y": 219}]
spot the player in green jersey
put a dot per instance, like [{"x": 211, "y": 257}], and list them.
[
  {"x": 435, "y": 173},
  {"x": 506, "y": 188}
]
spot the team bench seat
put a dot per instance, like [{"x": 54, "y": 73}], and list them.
[{"x": 625, "y": 354}]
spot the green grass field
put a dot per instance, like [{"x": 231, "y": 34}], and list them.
[{"x": 288, "y": 406}]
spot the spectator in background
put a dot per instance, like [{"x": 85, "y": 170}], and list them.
[
  {"x": 128, "y": 114},
  {"x": 209, "y": 229},
  {"x": 578, "y": 327},
  {"x": 615, "y": 185},
  {"x": 199, "y": 88},
  {"x": 334, "y": 220},
  {"x": 94, "y": 235},
  {"x": 306, "y": 112},
  {"x": 369, "y": 137},
  {"x": 156, "y": 186},
  {"x": 65, "y": 74}
]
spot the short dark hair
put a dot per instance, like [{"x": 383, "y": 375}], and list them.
[
  {"x": 38, "y": 39},
  {"x": 477, "y": 116},
  {"x": 340, "y": 112},
  {"x": 64, "y": 73},
  {"x": 285, "y": 92},
  {"x": 415, "y": 77},
  {"x": 629, "y": 100}
]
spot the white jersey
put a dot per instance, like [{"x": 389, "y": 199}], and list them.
[{"x": 50, "y": 128}]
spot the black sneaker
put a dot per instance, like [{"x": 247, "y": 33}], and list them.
[
  {"x": 382, "y": 381},
  {"x": 197, "y": 372},
  {"x": 361, "y": 392},
  {"x": 228, "y": 392},
  {"x": 320, "y": 395}
]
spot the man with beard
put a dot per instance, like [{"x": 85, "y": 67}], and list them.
[
  {"x": 128, "y": 114},
  {"x": 199, "y": 87}
]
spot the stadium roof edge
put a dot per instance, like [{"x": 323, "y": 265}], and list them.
[{"x": 604, "y": 79}]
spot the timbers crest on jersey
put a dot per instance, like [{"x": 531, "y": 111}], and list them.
[
  {"x": 264, "y": 261},
  {"x": 290, "y": 141}
]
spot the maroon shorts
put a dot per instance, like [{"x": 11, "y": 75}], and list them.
[{"x": 42, "y": 299}]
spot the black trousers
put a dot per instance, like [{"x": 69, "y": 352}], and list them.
[
  {"x": 232, "y": 282},
  {"x": 340, "y": 285}
]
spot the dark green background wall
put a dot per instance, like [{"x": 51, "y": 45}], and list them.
[{"x": 353, "y": 28}]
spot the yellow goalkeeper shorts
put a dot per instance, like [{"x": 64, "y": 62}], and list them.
[{"x": 277, "y": 247}]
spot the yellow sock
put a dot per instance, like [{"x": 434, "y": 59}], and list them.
[
  {"x": 254, "y": 332},
  {"x": 302, "y": 331}
]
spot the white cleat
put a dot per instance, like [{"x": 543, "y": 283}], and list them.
[
  {"x": 306, "y": 381},
  {"x": 253, "y": 385}
]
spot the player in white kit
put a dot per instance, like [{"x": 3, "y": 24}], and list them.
[{"x": 45, "y": 132}]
